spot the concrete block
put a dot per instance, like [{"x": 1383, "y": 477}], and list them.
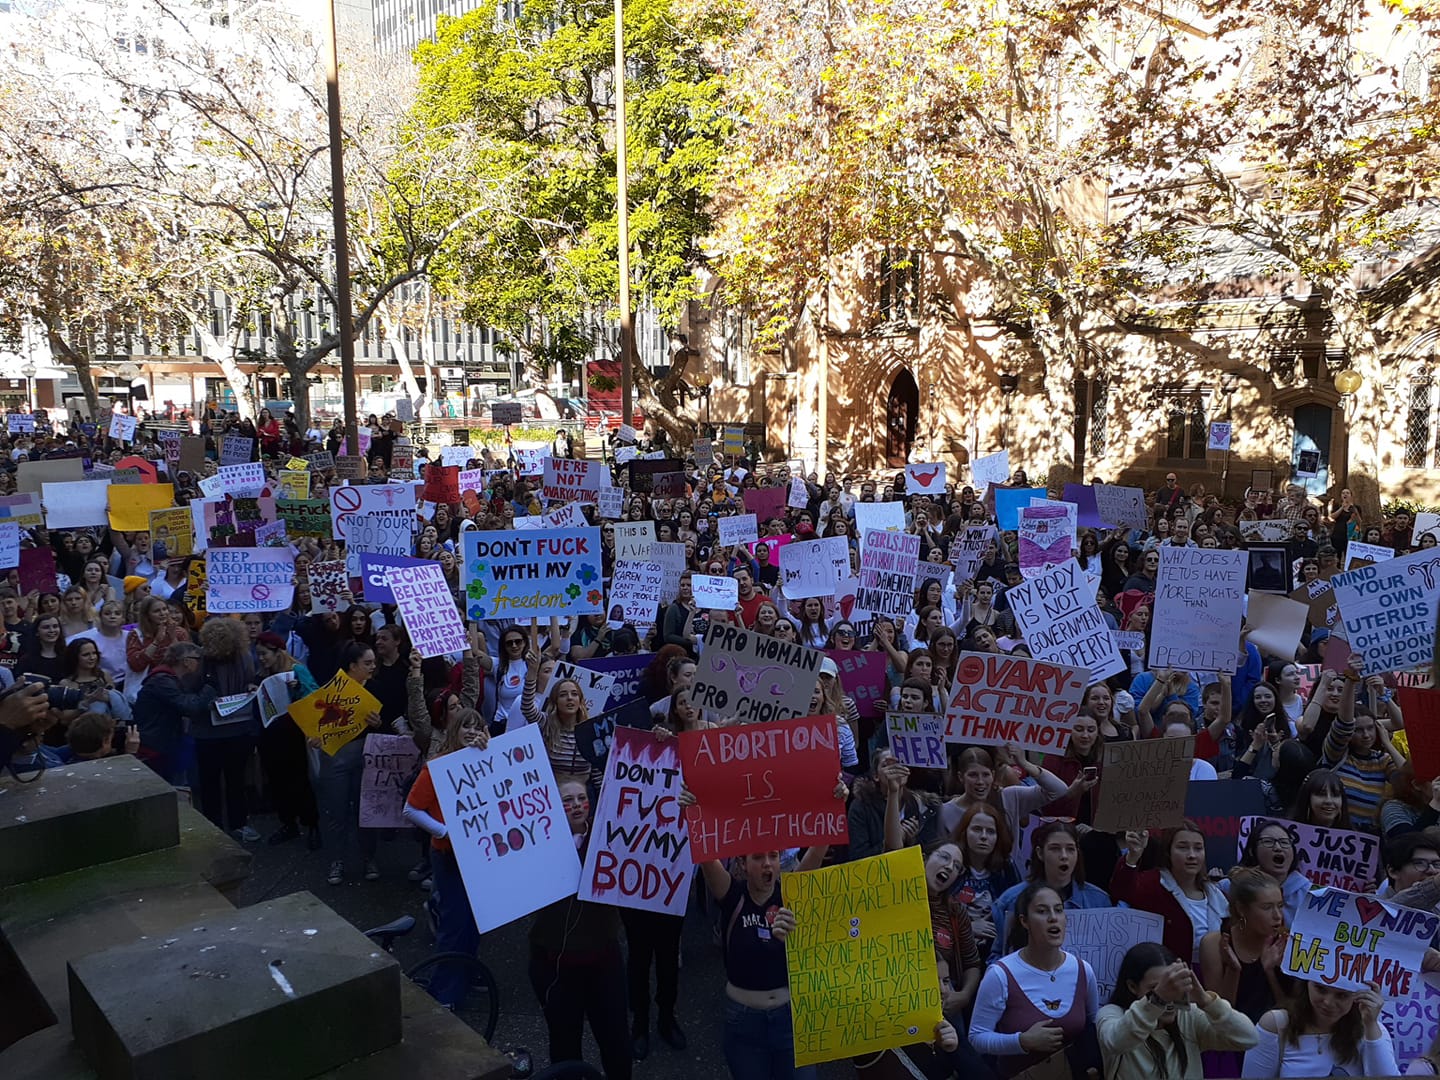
[
  {"x": 83, "y": 815},
  {"x": 283, "y": 990}
]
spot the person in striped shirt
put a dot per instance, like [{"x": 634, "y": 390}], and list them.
[{"x": 1359, "y": 751}]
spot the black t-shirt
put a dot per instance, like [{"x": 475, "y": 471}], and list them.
[{"x": 754, "y": 959}]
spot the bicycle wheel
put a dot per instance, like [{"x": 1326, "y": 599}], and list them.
[{"x": 481, "y": 1007}]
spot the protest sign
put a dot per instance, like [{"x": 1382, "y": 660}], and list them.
[
  {"x": 1389, "y": 611},
  {"x": 737, "y": 529},
  {"x": 703, "y": 451},
  {"x": 530, "y": 574},
  {"x": 350, "y": 501},
  {"x": 1275, "y": 624},
  {"x": 1057, "y": 615},
  {"x": 351, "y": 467},
  {"x": 76, "y": 504},
  {"x": 336, "y": 712},
  {"x": 1087, "y": 512},
  {"x": 862, "y": 677},
  {"x": 1121, "y": 507},
  {"x": 1002, "y": 699},
  {"x": 625, "y": 454},
  {"x": 122, "y": 427},
  {"x": 305, "y": 517},
  {"x": 1220, "y": 808},
  {"x": 671, "y": 559},
  {"x": 799, "y": 496},
  {"x": 380, "y": 532},
  {"x": 917, "y": 739},
  {"x": 1134, "y": 640},
  {"x": 990, "y": 469},
  {"x": 455, "y": 456},
  {"x": 1335, "y": 857},
  {"x": 375, "y": 571},
  {"x": 764, "y": 503},
  {"x": 1010, "y": 501},
  {"x": 763, "y": 786},
  {"x": 505, "y": 413},
  {"x": 928, "y": 479},
  {"x": 639, "y": 853},
  {"x": 1220, "y": 431},
  {"x": 635, "y": 589},
  {"x": 427, "y": 609},
  {"x": 566, "y": 480},
  {"x": 19, "y": 424},
  {"x": 887, "y": 573},
  {"x": 530, "y": 460},
  {"x": 861, "y": 959},
  {"x": 173, "y": 529},
  {"x": 610, "y": 502},
  {"x": 1361, "y": 554},
  {"x": 327, "y": 581},
  {"x": 320, "y": 461},
  {"x": 271, "y": 534},
  {"x": 594, "y": 686},
  {"x": 30, "y": 475},
  {"x": 627, "y": 672},
  {"x": 1351, "y": 940},
  {"x": 926, "y": 572},
  {"x": 244, "y": 480},
  {"x": 295, "y": 485},
  {"x": 442, "y": 483},
  {"x": 885, "y": 516},
  {"x": 192, "y": 454},
  {"x": 968, "y": 550},
  {"x": 661, "y": 477},
  {"x": 391, "y": 762},
  {"x": 1199, "y": 600},
  {"x": 507, "y": 825},
  {"x": 37, "y": 570},
  {"x": 9, "y": 544},
  {"x": 1276, "y": 530},
  {"x": 236, "y": 449},
  {"x": 753, "y": 677},
  {"x": 715, "y": 593},
  {"x": 22, "y": 509},
  {"x": 131, "y": 504},
  {"x": 1143, "y": 784},
  {"x": 249, "y": 579},
  {"x": 1413, "y": 1020},
  {"x": 1047, "y": 537},
  {"x": 1421, "y": 708},
  {"x": 633, "y": 540},
  {"x": 1102, "y": 936},
  {"x": 734, "y": 440}
]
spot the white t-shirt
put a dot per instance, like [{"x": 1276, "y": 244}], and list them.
[{"x": 1202, "y": 770}]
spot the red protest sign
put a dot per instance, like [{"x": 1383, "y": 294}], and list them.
[
  {"x": 1422, "y": 727},
  {"x": 759, "y": 787},
  {"x": 442, "y": 484},
  {"x": 1002, "y": 699},
  {"x": 765, "y": 503}
]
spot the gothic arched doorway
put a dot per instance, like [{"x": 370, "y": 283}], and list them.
[{"x": 902, "y": 415}]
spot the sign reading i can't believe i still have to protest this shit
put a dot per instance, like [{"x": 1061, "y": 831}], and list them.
[
  {"x": 533, "y": 573},
  {"x": 758, "y": 787}
]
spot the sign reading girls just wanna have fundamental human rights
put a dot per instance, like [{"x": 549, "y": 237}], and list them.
[{"x": 533, "y": 573}]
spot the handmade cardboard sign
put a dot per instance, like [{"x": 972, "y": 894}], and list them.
[
  {"x": 1353, "y": 940},
  {"x": 427, "y": 609},
  {"x": 862, "y": 677},
  {"x": 1413, "y": 1020},
  {"x": 1102, "y": 937},
  {"x": 887, "y": 573},
  {"x": 753, "y": 677},
  {"x": 1060, "y": 621},
  {"x": 917, "y": 739},
  {"x": 390, "y": 764},
  {"x": 1121, "y": 507},
  {"x": 813, "y": 567},
  {"x": 336, "y": 712},
  {"x": 524, "y": 575},
  {"x": 1335, "y": 857},
  {"x": 1144, "y": 784},
  {"x": 737, "y": 529},
  {"x": 928, "y": 479},
  {"x": 715, "y": 593},
  {"x": 1047, "y": 535},
  {"x": 1199, "y": 601},
  {"x": 566, "y": 480},
  {"x": 633, "y": 540},
  {"x": 990, "y": 469},
  {"x": 635, "y": 592},
  {"x": 968, "y": 550},
  {"x": 595, "y": 686},
  {"x": 861, "y": 960},
  {"x": 507, "y": 825},
  {"x": 763, "y": 786},
  {"x": 1002, "y": 699},
  {"x": 639, "y": 853}
]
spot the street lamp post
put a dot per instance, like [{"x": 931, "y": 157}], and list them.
[{"x": 28, "y": 370}]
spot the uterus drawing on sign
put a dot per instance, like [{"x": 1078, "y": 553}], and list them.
[{"x": 748, "y": 678}]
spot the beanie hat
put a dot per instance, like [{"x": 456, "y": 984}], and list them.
[
  {"x": 271, "y": 641},
  {"x": 133, "y": 582}
]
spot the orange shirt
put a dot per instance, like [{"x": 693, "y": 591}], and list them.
[{"x": 422, "y": 797}]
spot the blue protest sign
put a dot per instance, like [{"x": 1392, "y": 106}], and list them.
[
  {"x": 374, "y": 572},
  {"x": 533, "y": 573}
]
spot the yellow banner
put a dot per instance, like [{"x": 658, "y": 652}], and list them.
[
  {"x": 336, "y": 712},
  {"x": 197, "y": 579},
  {"x": 175, "y": 529},
  {"x": 130, "y": 505},
  {"x": 294, "y": 484},
  {"x": 298, "y": 464},
  {"x": 862, "y": 958}
]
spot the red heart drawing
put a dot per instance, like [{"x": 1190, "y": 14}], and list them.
[
  {"x": 847, "y": 605},
  {"x": 1368, "y": 908}
]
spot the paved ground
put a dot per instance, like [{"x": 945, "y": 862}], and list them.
[{"x": 288, "y": 868}]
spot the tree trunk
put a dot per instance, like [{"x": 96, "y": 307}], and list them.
[
  {"x": 1059, "y": 343},
  {"x": 81, "y": 363},
  {"x": 224, "y": 358},
  {"x": 1362, "y": 472},
  {"x": 394, "y": 335},
  {"x": 299, "y": 370}
]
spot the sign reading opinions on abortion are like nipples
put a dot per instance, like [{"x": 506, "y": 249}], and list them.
[{"x": 536, "y": 572}]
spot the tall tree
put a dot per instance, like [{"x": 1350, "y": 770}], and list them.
[{"x": 526, "y": 103}]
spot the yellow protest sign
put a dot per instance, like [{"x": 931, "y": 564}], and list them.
[
  {"x": 197, "y": 580},
  {"x": 130, "y": 505},
  {"x": 861, "y": 958},
  {"x": 175, "y": 529},
  {"x": 298, "y": 464},
  {"x": 294, "y": 484},
  {"x": 335, "y": 713}
]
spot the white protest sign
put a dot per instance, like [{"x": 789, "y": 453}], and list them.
[
  {"x": 75, "y": 503},
  {"x": 1351, "y": 940},
  {"x": 671, "y": 557},
  {"x": 569, "y": 516},
  {"x": 917, "y": 739},
  {"x": 594, "y": 686},
  {"x": 799, "y": 496},
  {"x": 885, "y": 516},
  {"x": 1199, "y": 601},
  {"x": 626, "y": 433},
  {"x": 737, "y": 529},
  {"x": 458, "y": 456},
  {"x": 715, "y": 593},
  {"x": 813, "y": 567},
  {"x": 1220, "y": 432},
  {"x": 633, "y": 540},
  {"x": 990, "y": 469},
  {"x": 639, "y": 853},
  {"x": 1426, "y": 522},
  {"x": 123, "y": 427},
  {"x": 351, "y": 500},
  {"x": 1102, "y": 937},
  {"x": 887, "y": 573},
  {"x": 427, "y": 609},
  {"x": 1413, "y": 1020},
  {"x": 249, "y": 579},
  {"x": 704, "y": 451},
  {"x": 1389, "y": 611},
  {"x": 566, "y": 479},
  {"x": 244, "y": 481},
  {"x": 1002, "y": 699},
  {"x": 9, "y": 544},
  {"x": 625, "y": 453},
  {"x": 1121, "y": 507},
  {"x": 505, "y": 821},
  {"x": 925, "y": 479},
  {"x": 610, "y": 502},
  {"x": 1057, "y": 616},
  {"x": 1276, "y": 529},
  {"x": 1357, "y": 552},
  {"x": 926, "y": 572},
  {"x": 471, "y": 480},
  {"x": 968, "y": 549},
  {"x": 635, "y": 589}
]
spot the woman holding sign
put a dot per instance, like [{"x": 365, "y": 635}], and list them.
[
  {"x": 1324, "y": 1031},
  {"x": 1179, "y": 889},
  {"x": 564, "y": 710}
]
